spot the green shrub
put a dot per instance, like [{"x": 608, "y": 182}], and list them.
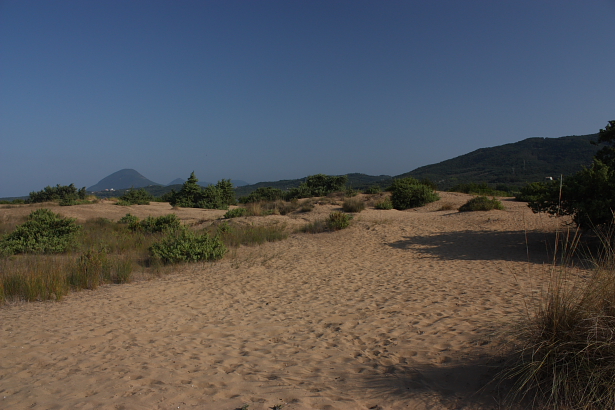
[
  {"x": 385, "y": 204},
  {"x": 128, "y": 219},
  {"x": 353, "y": 205},
  {"x": 349, "y": 193},
  {"x": 374, "y": 189},
  {"x": 183, "y": 245},
  {"x": 263, "y": 194},
  {"x": 306, "y": 206},
  {"x": 43, "y": 232},
  {"x": 135, "y": 197},
  {"x": 338, "y": 220},
  {"x": 156, "y": 224},
  {"x": 58, "y": 193},
  {"x": 318, "y": 185},
  {"x": 410, "y": 193},
  {"x": 481, "y": 203},
  {"x": 235, "y": 213}
]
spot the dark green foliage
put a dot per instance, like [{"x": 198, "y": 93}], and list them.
[
  {"x": 156, "y": 224},
  {"x": 235, "y": 213},
  {"x": 183, "y": 245},
  {"x": 532, "y": 192},
  {"x": 192, "y": 195},
  {"x": 353, "y": 205},
  {"x": 589, "y": 196},
  {"x": 43, "y": 232},
  {"x": 66, "y": 193},
  {"x": 318, "y": 185},
  {"x": 606, "y": 155},
  {"x": 409, "y": 193},
  {"x": 263, "y": 194},
  {"x": 136, "y": 197},
  {"x": 481, "y": 203}
]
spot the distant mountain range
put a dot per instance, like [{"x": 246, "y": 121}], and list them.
[{"x": 515, "y": 164}]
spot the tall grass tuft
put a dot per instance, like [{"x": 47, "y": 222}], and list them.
[
  {"x": 565, "y": 356},
  {"x": 353, "y": 205}
]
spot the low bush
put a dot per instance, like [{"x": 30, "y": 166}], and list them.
[
  {"x": 235, "y": 213},
  {"x": 306, "y": 206},
  {"x": 481, "y": 203},
  {"x": 43, "y": 232},
  {"x": 183, "y": 245},
  {"x": 353, "y": 205},
  {"x": 263, "y": 194},
  {"x": 128, "y": 219},
  {"x": 235, "y": 235},
  {"x": 409, "y": 193}
]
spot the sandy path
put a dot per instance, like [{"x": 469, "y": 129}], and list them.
[{"x": 396, "y": 312}]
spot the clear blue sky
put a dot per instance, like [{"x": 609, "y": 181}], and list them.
[{"x": 269, "y": 90}]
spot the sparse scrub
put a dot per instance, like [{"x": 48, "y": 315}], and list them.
[
  {"x": 235, "y": 235},
  {"x": 353, "y": 205},
  {"x": 307, "y": 206},
  {"x": 128, "y": 219},
  {"x": 481, "y": 203},
  {"x": 156, "y": 224},
  {"x": 372, "y": 190},
  {"x": 410, "y": 193}
]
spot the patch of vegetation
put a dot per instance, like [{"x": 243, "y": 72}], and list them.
[
  {"x": 183, "y": 245},
  {"x": 43, "y": 232},
  {"x": 65, "y": 193},
  {"x": 135, "y": 197},
  {"x": 128, "y": 219},
  {"x": 481, "y": 203},
  {"x": 372, "y": 190},
  {"x": 235, "y": 235},
  {"x": 353, "y": 205},
  {"x": 409, "y": 193}
]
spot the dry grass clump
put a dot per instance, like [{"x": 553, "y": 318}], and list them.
[
  {"x": 353, "y": 205},
  {"x": 234, "y": 235},
  {"x": 446, "y": 206},
  {"x": 565, "y": 356}
]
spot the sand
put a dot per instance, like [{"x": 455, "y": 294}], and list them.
[{"x": 403, "y": 310}]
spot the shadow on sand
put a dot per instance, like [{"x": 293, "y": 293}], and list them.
[
  {"x": 463, "y": 384},
  {"x": 520, "y": 246}
]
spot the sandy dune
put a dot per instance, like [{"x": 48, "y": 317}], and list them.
[{"x": 397, "y": 312}]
